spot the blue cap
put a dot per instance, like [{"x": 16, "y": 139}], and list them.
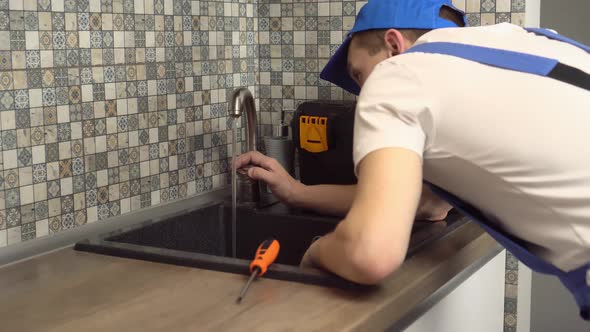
[{"x": 386, "y": 14}]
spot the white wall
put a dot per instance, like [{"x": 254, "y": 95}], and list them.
[
  {"x": 533, "y": 13},
  {"x": 568, "y": 17},
  {"x": 476, "y": 305},
  {"x": 553, "y": 307}
]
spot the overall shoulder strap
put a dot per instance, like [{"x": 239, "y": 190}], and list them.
[
  {"x": 522, "y": 62},
  {"x": 511, "y": 60},
  {"x": 552, "y": 35}
]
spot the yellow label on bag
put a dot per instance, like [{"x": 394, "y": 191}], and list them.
[{"x": 313, "y": 135}]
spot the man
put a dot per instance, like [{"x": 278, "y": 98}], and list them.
[{"x": 509, "y": 142}]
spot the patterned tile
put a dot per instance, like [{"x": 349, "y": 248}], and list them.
[
  {"x": 53, "y": 189},
  {"x": 77, "y": 166},
  {"x": 13, "y": 217},
  {"x": 65, "y": 168},
  {"x": 473, "y": 19},
  {"x": 106, "y": 5},
  {"x": 3, "y": 220},
  {"x": 25, "y": 157},
  {"x": 79, "y": 183},
  {"x": 41, "y": 210},
  {"x": 90, "y": 181},
  {"x": 102, "y": 195},
  {"x": 488, "y": 6},
  {"x": 67, "y": 204},
  {"x": 10, "y": 179},
  {"x": 510, "y": 322},
  {"x": 9, "y": 139},
  {"x": 4, "y": 20},
  {"x": 28, "y": 231},
  {"x": 101, "y": 161},
  {"x": 28, "y": 217},
  {"x": 503, "y": 17},
  {"x": 39, "y": 173},
  {"x": 52, "y": 152},
  {"x": 518, "y": 6},
  {"x": 58, "y": 21},
  {"x": 5, "y": 60},
  {"x": 12, "y": 198},
  {"x": 37, "y": 136},
  {"x": 55, "y": 225},
  {"x": 64, "y": 132},
  {"x": 17, "y": 40},
  {"x": 67, "y": 221},
  {"x": 23, "y": 119},
  {"x": 6, "y": 81},
  {"x": 80, "y": 217},
  {"x": 21, "y": 99},
  {"x": 49, "y": 99}
]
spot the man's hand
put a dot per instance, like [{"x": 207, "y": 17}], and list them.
[
  {"x": 431, "y": 207},
  {"x": 267, "y": 169},
  {"x": 325, "y": 199},
  {"x": 307, "y": 259}
]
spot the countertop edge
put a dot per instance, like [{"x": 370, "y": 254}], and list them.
[{"x": 420, "y": 295}]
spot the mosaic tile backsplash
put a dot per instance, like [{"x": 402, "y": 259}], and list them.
[{"x": 109, "y": 106}]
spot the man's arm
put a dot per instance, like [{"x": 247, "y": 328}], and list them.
[
  {"x": 326, "y": 199},
  {"x": 372, "y": 241},
  {"x": 337, "y": 199}
]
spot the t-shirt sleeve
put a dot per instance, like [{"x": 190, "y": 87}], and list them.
[{"x": 393, "y": 110}]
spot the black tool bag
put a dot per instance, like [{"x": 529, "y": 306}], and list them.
[{"x": 322, "y": 134}]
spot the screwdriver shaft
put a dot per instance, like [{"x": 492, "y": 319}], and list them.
[{"x": 247, "y": 285}]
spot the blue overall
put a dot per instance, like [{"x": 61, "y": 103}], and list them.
[{"x": 576, "y": 280}]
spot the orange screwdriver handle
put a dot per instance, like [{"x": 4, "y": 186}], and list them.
[{"x": 266, "y": 254}]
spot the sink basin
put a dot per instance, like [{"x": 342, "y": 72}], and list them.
[{"x": 203, "y": 238}]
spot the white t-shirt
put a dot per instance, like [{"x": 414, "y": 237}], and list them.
[{"x": 514, "y": 145}]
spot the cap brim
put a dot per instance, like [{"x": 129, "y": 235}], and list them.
[{"x": 336, "y": 70}]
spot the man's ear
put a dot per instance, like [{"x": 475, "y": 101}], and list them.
[{"x": 395, "y": 42}]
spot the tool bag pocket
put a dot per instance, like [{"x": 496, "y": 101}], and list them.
[{"x": 322, "y": 134}]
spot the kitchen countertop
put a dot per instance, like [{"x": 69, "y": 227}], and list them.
[{"x": 67, "y": 290}]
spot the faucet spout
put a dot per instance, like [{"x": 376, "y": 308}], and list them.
[{"x": 242, "y": 102}]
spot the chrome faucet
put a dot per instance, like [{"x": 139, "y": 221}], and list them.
[
  {"x": 248, "y": 189},
  {"x": 242, "y": 101}
]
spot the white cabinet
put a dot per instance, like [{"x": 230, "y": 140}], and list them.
[{"x": 477, "y": 304}]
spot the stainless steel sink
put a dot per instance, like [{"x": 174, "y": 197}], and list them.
[{"x": 202, "y": 238}]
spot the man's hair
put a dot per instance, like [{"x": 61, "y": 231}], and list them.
[{"x": 372, "y": 40}]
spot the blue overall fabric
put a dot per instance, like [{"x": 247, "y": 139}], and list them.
[{"x": 575, "y": 281}]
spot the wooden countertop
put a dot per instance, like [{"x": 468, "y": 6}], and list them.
[{"x": 76, "y": 291}]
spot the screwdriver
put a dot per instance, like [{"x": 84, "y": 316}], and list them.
[{"x": 266, "y": 254}]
